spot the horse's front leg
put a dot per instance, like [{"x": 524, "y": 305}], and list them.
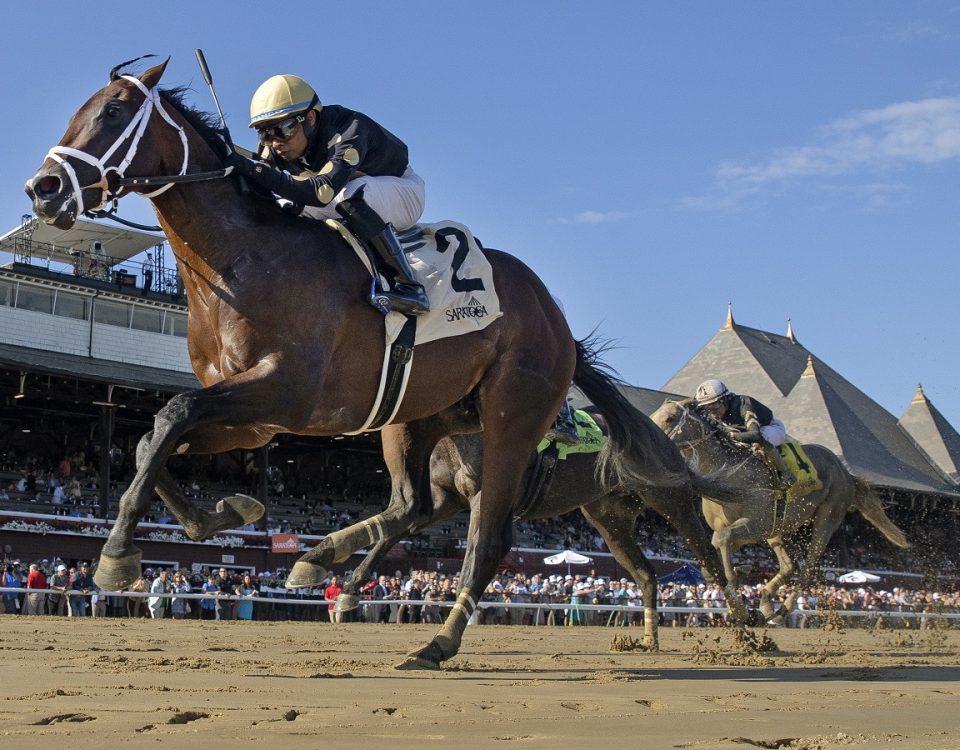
[
  {"x": 243, "y": 400},
  {"x": 231, "y": 512},
  {"x": 615, "y": 517},
  {"x": 786, "y": 569}
]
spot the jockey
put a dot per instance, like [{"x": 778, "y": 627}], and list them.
[
  {"x": 329, "y": 160},
  {"x": 746, "y": 420}
]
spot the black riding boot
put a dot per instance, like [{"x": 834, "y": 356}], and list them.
[
  {"x": 564, "y": 429},
  {"x": 406, "y": 294}
]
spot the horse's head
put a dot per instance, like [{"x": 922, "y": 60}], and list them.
[
  {"x": 80, "y": 173},
  {"x": 679, "y": 420}
]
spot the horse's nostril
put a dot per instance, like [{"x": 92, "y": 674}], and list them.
[{"x": 47, "y": 187}]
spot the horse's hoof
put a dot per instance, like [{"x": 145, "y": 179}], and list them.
[
  {"x": 414, "y": 661},
  {"x": 429, "y": 657},
  {"x": 346, "y": 602},
  {"x": 305, "y": 575},
  {"x": 246, "y": 507},
  {"x": 116, "y": 573}
]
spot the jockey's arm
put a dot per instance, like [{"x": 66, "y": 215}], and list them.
[
  {"x": 304, "y": 189},
  {"x": 311, "y": 188},
  {"x": 751, "y": 431}
]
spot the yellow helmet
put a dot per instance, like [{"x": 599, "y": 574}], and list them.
[{"x": 280, "y": 97}]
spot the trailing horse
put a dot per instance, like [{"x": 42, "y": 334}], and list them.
[
  {"x": 762, "y": 512},
  {"x": 456, "y": 473}
]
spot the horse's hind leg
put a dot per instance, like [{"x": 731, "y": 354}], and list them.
[
  {"x": 407, "y": 449},
  {"x": 487, "y": 542},
  {"x": 514, "y": 417},
  {"x": 349, "y": 598},
  {"x": 615, "y": 516}
]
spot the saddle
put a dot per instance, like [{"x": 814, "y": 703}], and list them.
[
  {"x": 458, "y": 280},
  {"x": 803, "y": 469}
]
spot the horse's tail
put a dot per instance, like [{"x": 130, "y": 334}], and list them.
[
  {"x": 866, "y": 501},
  {"x": 637, "y": 451}
]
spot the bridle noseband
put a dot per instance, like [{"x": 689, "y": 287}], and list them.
[
  {"x": 116, "y": 174},
  {"x": 684, "y": 417}
]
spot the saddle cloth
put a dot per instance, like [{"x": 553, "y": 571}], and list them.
[
  {"x": 803, "y": 469},
  {"x": 591, "y": 437},
  {"x": 455, "y": 274}
]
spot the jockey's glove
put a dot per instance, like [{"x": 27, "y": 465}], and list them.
[
  {"x": 275, "y": 180},
  {"x": 242, "y": 166},
  {"x": 751, "y": 435}
]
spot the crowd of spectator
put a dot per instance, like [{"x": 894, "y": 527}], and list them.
[
  {"x": 52, "y": 588},
  {"x": 69, "y": 487}
]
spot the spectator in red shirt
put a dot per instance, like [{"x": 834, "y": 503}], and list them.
[
  {"x": 36, "y": 602},
  {"x": 330, "y": 594}
]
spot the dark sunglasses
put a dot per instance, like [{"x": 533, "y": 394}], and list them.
[{"x": 282, "y": 131}]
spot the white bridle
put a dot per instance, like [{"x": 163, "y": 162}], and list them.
[{"x": 139, "y": 123}]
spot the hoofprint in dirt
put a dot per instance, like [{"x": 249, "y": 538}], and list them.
[{"x": 214, "y": 685}]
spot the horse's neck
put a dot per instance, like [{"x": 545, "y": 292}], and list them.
[
  {"x": 205, "y": 222},
  {"x": 712, "y": 450}
]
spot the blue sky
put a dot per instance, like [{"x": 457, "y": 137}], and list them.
[{"x": 652, "y": 162}]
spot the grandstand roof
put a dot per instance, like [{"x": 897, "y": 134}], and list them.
[
  {"x": 40, "y": 239},
  {"x": 933, "y": 433},
  {"x": 817, "y": 404},
  {"x": 99, "y": 370}
]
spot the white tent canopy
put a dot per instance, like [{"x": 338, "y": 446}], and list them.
[
  {"x": 858, "y": 576},
  {"x": 568, "y": 557},
  {"x": 49, "y": 243}
]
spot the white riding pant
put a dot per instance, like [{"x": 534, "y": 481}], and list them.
[
  {"x": 774, "y": 433},
  {"x": 398, "y": 200}
]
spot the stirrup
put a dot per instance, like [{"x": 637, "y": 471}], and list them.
[{"x": 414, "y": 302}]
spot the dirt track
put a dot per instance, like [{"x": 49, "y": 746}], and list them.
[{"x": 122, "y": 683}]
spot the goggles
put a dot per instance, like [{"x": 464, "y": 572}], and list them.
[{"x": 282, "y": 131}]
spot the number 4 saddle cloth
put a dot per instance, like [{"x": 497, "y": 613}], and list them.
[{"x": 802, "y": 467}]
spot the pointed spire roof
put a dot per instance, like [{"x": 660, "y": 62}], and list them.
[{"x": 933, "y": 433}]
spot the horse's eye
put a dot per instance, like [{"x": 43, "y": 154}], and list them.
[{"x": 112, "y": 111}]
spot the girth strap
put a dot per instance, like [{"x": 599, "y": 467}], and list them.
[{"x": 393, "y": 378}]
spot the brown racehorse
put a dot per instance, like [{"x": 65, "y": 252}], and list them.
[
  {"x": 282, "y": 340},
  {"x": 456, "y": 473},
  {"x": 761, "y": 513}
]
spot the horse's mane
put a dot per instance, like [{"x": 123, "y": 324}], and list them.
[
  {"x": 721, "y": 436},
  {"x": 208, "y": 128},
  {"x": 206, "y": 124}
]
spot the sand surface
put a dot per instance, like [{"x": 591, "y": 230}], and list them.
[{"x": 186, "y": 684}]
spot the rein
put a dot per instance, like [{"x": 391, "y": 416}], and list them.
[
  {"x": 112, "y": 181},
  {"x": 704, "y": 434}
]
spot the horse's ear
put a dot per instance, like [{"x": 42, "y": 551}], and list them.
[{"x": 151, "y": 77}]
